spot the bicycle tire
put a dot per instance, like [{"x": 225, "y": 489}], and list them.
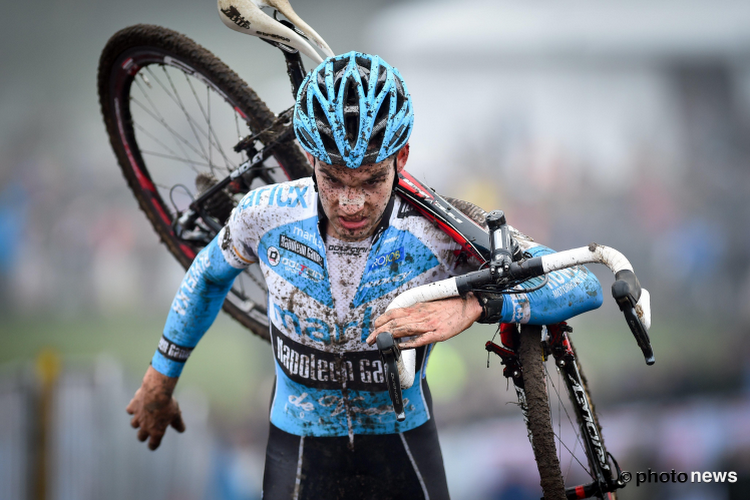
[
  {"x": 539, "y": 417},
  {"x": 135, "y": 55}
]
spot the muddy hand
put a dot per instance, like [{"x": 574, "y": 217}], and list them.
[
  {"x": 154, "y": 409},
  {"x": 428, "y": 322}
]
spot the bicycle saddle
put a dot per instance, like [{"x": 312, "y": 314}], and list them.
[{"x": 246, "y": 17}]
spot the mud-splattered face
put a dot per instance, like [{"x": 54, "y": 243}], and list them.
[{"x": 354, "y": 199}]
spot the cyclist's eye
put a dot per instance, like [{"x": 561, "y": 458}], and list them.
[
  {"x": 331, "y": 180},
  {"x": 374, "y": 182}
]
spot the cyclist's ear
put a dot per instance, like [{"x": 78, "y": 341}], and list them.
[
  {"x": 401, "y": 157},
  {"x": 311, "y": 159}
]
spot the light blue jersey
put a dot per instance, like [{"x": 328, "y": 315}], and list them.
[{"x": 329, "y": 382}]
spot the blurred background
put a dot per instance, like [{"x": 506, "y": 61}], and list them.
[{"x": 626, "y": 123}]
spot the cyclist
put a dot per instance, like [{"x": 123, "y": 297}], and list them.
[{"x": 335, "y": 249}]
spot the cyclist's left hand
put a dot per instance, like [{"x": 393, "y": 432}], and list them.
[{"x": 428, "y": 322}]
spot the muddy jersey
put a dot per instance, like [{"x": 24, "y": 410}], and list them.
[{"x": 329, "y": 382}]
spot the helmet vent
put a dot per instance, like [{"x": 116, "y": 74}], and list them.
[{"x": 347, "y": 121}]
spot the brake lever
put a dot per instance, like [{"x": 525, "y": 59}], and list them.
[
  {"x": 390, "y": 354},
  {"x": 628, "y": 293}
]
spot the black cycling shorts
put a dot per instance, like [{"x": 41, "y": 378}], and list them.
[{"x": 407, "y": 465}]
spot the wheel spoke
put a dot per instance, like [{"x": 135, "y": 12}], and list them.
[
  {"x": 190, "y": 163},
  {"x": 169, "y": 129},
  {"x": 175, "y": 99},
  {"x": 207, "y": 118},
  {"x": 187, "y": 115},
  {"x": 559, "y": 398},
  {"x": 572, "y": 424},
  {"x": 155, "y": 109}
]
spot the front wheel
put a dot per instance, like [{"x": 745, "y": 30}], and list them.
[
  {"x": 563, "y": 426},
  {"x": 174, "y": 113}
]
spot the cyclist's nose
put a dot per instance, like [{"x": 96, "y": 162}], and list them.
[{"x": 352, "y": 200}]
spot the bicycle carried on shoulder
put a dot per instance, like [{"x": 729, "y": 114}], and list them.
[
  {"x": 524, "y": 350},
  {"x": 192, "y": 138}
]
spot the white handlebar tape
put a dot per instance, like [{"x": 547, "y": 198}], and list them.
[
  {"x": 594, "y": 253},
  {"x": 426, "y": 293}
]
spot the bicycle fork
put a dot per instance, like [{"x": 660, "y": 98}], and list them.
[{"x": 556, "y": 342}]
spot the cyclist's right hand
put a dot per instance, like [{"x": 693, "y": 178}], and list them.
[{"x": 154, "y": 409}]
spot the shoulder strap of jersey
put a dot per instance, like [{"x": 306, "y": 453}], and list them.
[{"x": 472, "y": 237}]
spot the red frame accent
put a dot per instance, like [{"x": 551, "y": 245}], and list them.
[{"x": 409, "y": 184}]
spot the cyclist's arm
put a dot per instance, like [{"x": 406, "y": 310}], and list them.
[
  {"x": 193, "y": 310},
  {"x": 567, "y": 293}
]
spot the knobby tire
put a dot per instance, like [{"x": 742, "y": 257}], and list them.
[{"x": 538, "y": 418}]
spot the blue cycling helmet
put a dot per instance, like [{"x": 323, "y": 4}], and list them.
[{"x": 353, "y": 109}]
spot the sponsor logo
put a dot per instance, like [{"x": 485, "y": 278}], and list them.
[
  {"x": 399, "y": 278},
  {"x": 234, "y": 15},
  {"x": 172, "y": 351},
  {"x": 318, "y": 330},
  {"x": 359, "y": 370},
  {"x": 282, "y": 196},
  {"x": 417, "y": 190},
  {"x": 273, "y": 256},
  {"x": 406, "y": 210},
  {"x": 580, "y": 395},
  {"x": 307, "y": 236},
  {"x": 387, "y": 258},
  {"x": 295, "y": 267},
  {"x": 300, "y": 249},
  {"x": 271, "y": 35},
  {"x": 186, "y": 292},
  {"x": 347, "y": 250},
  {"x": 447, "y": 211}
]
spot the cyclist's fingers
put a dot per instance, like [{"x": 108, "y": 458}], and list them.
[
  {"x": 177, "y": 422},
  {"x": 407, "y": 328},
  {"x": 155, "y": 440},
  {"x": 390, "y": 315},
  {"x": 403, "y": 322},
  {"x": 142, "y": 434},
  {"x": 399, "y": 328},
  {"x": 135, "y": 422},
  {"x": 427, "y": 338},
  {"x": 133, "y": 403}
]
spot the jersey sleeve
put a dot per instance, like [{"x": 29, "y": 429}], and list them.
[
  {"x": 567, "y": 293},
  {"x": 194, "y": 308},
  {"x": 209, "y": 279}
]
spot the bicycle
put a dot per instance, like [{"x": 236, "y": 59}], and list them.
[{"x": 192, "y": 138}]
